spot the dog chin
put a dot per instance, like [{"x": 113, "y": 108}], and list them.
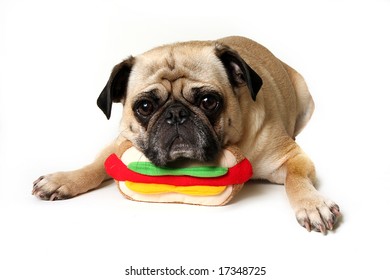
[
  {"x": 181, "y": 151},
  {"x": 177, "y": 153}
]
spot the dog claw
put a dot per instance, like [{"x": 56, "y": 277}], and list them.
[
  {"x": 306, "y": 225},
  {"x": 330, "y": 225},
  {"x": 37, "y": 180},
  {"x": 335, "y": 210},
  {"x": 322, "y": 229}
]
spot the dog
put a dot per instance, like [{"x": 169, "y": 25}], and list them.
[{"x": 190, "y": 99}]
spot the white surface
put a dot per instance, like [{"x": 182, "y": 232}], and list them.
[{"x": 55, "y": 60}]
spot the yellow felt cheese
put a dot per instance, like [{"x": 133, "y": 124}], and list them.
[{"x": 162, "y": 188}]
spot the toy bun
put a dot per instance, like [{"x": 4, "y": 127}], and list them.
[{"x": 211, "y": 184}]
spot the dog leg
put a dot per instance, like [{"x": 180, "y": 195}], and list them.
[
  {"x": 63, "y": 185},
  {"x": 312, "y": 210}
]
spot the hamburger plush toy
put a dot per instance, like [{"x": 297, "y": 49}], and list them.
[{"x": 184, "y": 181}]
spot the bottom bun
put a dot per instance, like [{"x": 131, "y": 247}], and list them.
[{"x": 172, "y": 197}]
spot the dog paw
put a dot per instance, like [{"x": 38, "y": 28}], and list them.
[
  {"x": 53, "y": 187},
  {"x": 317, "y": 213}
]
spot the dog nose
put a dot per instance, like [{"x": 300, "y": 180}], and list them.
[{"x": 176, "y": 114}]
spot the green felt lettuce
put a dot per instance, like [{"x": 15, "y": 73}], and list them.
[{"x": 147, "y": 168}]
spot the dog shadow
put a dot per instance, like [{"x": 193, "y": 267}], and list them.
[{"x": 254, "y": 189}]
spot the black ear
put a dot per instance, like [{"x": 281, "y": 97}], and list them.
[
  {"x": 115, "y": 89},
  {"x": 239, "y": 72}
]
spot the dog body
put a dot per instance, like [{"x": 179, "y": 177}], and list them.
[
  {"x": 188, "y": 100},
  {"x": 280, "y": 112}
]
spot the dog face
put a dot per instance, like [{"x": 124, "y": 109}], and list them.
[{"x": 182, "y": 100}]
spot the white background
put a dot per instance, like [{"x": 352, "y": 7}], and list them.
[{"x": 55, "y": 58}]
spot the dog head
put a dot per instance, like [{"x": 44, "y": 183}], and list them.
[{"x": 182, "y": 100}]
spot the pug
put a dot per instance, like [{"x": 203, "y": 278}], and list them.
[{"x": 191, "y": 99}]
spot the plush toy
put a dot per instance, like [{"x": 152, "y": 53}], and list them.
[{"x": 184, "y": 181}]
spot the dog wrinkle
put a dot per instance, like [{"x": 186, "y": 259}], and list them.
[
  {"x": 167, "y": 84},
  {"x": 170, "y": 61}
]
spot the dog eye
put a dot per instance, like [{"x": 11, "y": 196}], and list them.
[
  {"x": 209, "y": 102},
  {"x": 145, "y": 108}
]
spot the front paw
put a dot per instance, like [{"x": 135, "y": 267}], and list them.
[
  {"x": 53, "y": 187},
  {"x": 314, "y": 212}
]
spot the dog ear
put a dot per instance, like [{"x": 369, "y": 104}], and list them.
[
  {"x": 115, "y": 89},
  {"x": 239, "y": 72}
]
